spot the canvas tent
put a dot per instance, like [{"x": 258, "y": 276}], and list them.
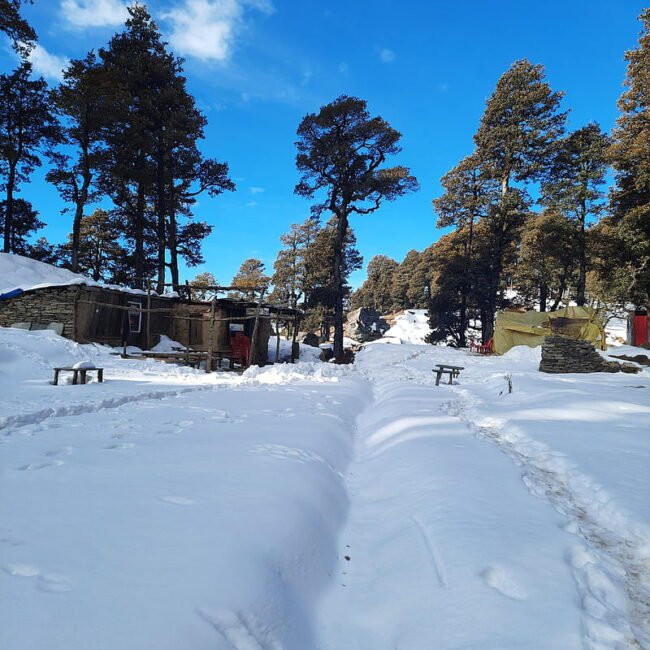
[{"x": 531, "y": 327}]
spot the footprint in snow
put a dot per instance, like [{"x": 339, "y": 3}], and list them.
[
  {"x": 53, "y": 583},
  {"x": 504, "y": 582},
  {"x": 21, "y": 570},
  {"x": 62, "y": 451},
  {"x": 177, "y": 501},
  {"x": 34, "y": 466},
  {"x": 120, "y": 445}
]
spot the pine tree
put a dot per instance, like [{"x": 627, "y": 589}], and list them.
[
  {"x": 377, "y": 290},
  {"x": 199, "y": 286},
  {"x": 630, "y": 156},
  {"x": 128, "y": 173},
  {"x": 322, "y": 289},
  {"x": 572, "y": 185},
  {"x": 470, "y": 196},
  {"x": 80, "y": 101},
  {"x": 153, "y": 169},
  {"x": 19, "y": 31},
  {"x": 514, "y": 144},
  {"x": 290, "y": 267},
  {"x": 100, "y": 253},
  {"x": 26, "y": 127},
  {"x": 341, "y": 151},
  {"x": 401, "y": 296},
  {"x": 26, "y": 221},
  {"x": 546, "y": 265},
  {"x": 250, "y": 279}
]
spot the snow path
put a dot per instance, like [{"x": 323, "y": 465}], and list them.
[
  {"x": 435, "y": 552},
  {"x": 617, "y": 555}
]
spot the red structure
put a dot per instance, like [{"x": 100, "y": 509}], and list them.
[{"x": 640, "y": 326}]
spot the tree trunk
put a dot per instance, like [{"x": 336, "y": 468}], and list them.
[
  {"x": 80, "y": 204},
  {"x": 543, "y": 295},
  {"x": 76, "y": 233},
  {"x": 173, "y": 251},
  {"x": 341, "y": 230},
  {"x": 138, "y": 262},
  {"x": 582, "y": 253},
  {"x": 160, "y": 219},
  {"x": 9, "y": 211}
]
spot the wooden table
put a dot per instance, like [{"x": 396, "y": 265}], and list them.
[
  {"x": 444, "y": 369},
  {"x": 78, "y": 373}
]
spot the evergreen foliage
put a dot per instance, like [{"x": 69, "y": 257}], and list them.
[
  {"x": 630, "y": 157},
  {"x": 19, "y": 31},
  {"x": 250, "y": 279},
  {"x": 341, "y": 150},
  {"x": 26, "y": 128},
  {"x": 81, "y": 103}
]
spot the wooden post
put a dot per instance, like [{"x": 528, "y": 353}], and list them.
[
  {"x": 277, "y": 339},
  {"x": 208, "y": 361},
  {"x": 148, "y": 314},
  {"x": 256, "y": 327}
]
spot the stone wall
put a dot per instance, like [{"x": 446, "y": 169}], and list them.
[
  {"x": 44, "y": 306},
  {"x": 562, "y": 354}
]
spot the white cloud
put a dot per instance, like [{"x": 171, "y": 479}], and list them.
[
  {"x": 386, "y": 55},
  {"x": 94, "y": 13},
  {"x": 251, "y": 204},
  {"x": 49, "y": 65},
  {"x": 256, "y": 190},
  {"x": 207, "y": 29},
  {"x": 343, "y": 68}
]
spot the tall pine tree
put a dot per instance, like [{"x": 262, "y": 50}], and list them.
[
  {"x": 514, "y": 145},
  {"x": 573, "y": 186},
  {"x": 341, "y": 153},
  {"x": 630, "y": 156},
  {"x": 27, "y": 128}
]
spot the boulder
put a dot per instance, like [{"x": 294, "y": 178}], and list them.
[
  {"x": 311, "y": 339},
  {"x": 365, "y": 324}
]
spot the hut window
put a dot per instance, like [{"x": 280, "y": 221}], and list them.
[{"x": 135, "y": 317}]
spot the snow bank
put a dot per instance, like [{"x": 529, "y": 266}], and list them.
[{"x": 410, "y": 327}]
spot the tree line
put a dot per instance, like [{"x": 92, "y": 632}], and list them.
[
  {"x": 531, "y": 221},
  {"x": 121, "y": 128},
  {"x": 529, "y": 217}
]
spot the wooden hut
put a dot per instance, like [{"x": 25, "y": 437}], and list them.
[
  {"x": 116, "y": 317},
  {"x": 86, "y": 314}
]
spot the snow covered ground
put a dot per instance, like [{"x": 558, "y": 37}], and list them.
[{"x": 319, "y": 506}]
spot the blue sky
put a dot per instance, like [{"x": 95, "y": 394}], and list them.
[{"x": 257, "y": 67}]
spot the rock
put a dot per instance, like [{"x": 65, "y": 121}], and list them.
[
  {"x": 365, "y": 324},
  {"x": 311, "y": 339},
  {"x": 326, "y": 354},
  {"x": 561, "y": 354}
]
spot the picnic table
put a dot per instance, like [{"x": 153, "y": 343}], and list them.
[
  {"x": 78, "y": 373},
  {"x": 445, "y": 369}
]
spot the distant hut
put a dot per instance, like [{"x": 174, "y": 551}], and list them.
[{"x": 91, "y": 313}]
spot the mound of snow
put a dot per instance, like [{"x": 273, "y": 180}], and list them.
[{"x": 410, "y": 327}]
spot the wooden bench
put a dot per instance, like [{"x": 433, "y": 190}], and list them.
[
  {"x": 444, "y": 369},
  {"x": 78, "y": 373}
]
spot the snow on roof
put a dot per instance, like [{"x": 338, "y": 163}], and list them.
[{"x": 18, "y": 272}]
